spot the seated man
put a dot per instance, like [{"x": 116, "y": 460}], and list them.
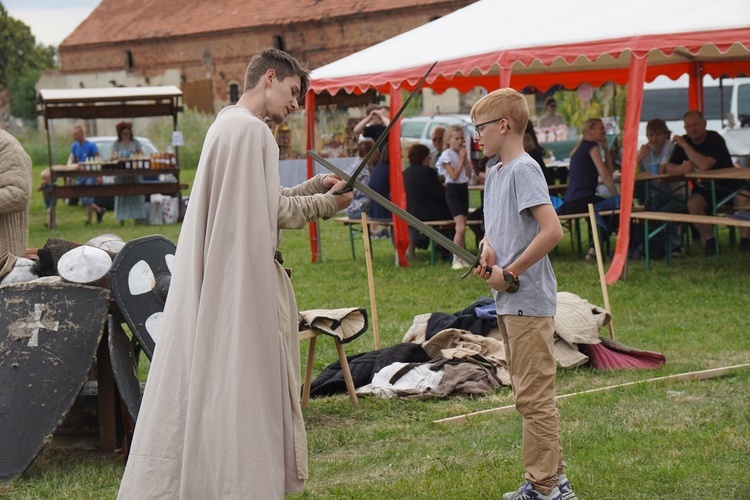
[
  {"x": 425, "y": 195},
  {"x": 701, "y": 149}
]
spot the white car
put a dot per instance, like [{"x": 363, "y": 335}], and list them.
[
  {"x": 104, "y": 143},
  {"x": 419, "y": 128}
]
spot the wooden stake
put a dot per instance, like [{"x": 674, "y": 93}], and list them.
[
  {"x": 689, "y": 376},
  {"x": 600, "y": 264},
  {"x": 370, "y": 280}
]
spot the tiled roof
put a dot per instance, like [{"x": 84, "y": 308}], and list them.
[{"x": 123, "y": 20}]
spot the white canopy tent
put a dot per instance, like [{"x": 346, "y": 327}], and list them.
[{"x": 496, "y": 43}]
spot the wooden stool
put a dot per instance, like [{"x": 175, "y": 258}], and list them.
[{"x": 312, "y": 336}]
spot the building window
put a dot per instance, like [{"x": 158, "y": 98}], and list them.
[
  {"x": 129, "y": 63},
  {"x": 278, "y": 42},
  {"x": 234, "y": 93}
]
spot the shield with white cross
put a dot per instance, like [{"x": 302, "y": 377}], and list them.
[{"x": 49, "y": 333}]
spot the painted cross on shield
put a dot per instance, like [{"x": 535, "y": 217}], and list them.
[{"x": 35, "y": 325}]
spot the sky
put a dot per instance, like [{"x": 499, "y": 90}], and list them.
[{"x": 51, "y": 21}]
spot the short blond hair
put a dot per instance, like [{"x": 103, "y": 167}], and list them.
[{"x": 505, "y": 103}]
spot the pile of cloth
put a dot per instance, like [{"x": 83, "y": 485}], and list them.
[{"x": 462, "y": 353}]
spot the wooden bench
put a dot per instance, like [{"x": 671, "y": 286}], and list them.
[
  {"x": 355, "y": 229},
  {"x": 664, "y": 219}
]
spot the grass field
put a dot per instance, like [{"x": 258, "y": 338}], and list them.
[{"x": 674, "y": 440}]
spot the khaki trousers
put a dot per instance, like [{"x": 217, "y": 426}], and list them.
[{"x": 532, "y": 366}]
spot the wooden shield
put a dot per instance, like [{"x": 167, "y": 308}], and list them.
[
  {"x": 124, "y": 367},
  {"x": 140, "y": 276},
  {"x": 49, "y": 333}
]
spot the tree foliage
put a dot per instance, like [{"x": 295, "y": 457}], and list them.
[{"x": 22, "y": 60}]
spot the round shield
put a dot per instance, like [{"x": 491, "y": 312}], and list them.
[{"x": 139, "y": 278}]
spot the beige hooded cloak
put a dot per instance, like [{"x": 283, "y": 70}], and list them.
[
  {"x": 15, "y": 195},
  {"x": 221, "y": 416}
]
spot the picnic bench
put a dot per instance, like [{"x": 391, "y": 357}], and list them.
[
  {"x": 572, "y": 222},
  {"x": 664, "y": 219},
  {"x": 355, "y": 229}
]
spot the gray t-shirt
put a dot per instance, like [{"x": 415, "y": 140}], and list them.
[{"x": 509, "y": 193}]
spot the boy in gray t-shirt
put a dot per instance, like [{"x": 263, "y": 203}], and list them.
[{"x": 521, "y": 229}]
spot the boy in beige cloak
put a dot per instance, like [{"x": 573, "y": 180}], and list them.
[{"x": 221, "y": 416}]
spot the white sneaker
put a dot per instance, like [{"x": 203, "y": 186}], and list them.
[{"x": 457, "y": 265}]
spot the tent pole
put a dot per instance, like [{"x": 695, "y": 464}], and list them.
[
  {"x": 396, "y": 177},
  {"x": 310, "y": 119},
  {"x": 637, "y": 76}
]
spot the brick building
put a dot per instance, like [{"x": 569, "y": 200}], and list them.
[{"x": 203, "y": 46}]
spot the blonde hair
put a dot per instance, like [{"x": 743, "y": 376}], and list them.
[
  {"x": 46, "y": 173},
  {"x": 505, "y": 103},
  {"x": 587, "y": 125},
  {"x": 450, "y": 130}
]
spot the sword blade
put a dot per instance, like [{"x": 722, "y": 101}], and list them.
[
  {"x": 384, "y": 135},
  {"x": 431, "y": 232}
]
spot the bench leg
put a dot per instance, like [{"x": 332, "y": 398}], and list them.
[
  {"x": 646, "y": 251},
  {"x": 308, "y": 373},
  {"x": 668, "y": 239},
  {"x": 716, "y": 239},
  {"x": 577, "y": 224},
  {"x": 351, "y": 240},
  {"x": 347, "y": 374},
  {"x": 663, "y": 227}
]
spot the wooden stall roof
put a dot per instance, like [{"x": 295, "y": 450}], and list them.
[{"x": 110, "y": 102}]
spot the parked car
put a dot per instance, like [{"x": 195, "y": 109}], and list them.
[
  {"x": 104, "y": 143},
  {"x": 418, "y": 129}
]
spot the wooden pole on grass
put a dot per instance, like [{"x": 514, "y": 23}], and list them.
[
  {"x": 370, "y": 280},
  {"x": 689, "y": 376},
  {"x": 599, "y": 263}
]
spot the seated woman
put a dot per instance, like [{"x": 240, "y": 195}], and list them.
[
  {"x": 586, "y": 167},
  {"x": 133, "y": 206},
  {"x": 425, "y": 195}
]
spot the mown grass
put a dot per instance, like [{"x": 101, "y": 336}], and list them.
[{"x": 666, "y": 439}]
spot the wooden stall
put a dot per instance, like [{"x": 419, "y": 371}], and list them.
[{"x": 113, "y": 103}]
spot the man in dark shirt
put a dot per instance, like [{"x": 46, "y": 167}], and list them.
[{"x": 701, "y": 149}]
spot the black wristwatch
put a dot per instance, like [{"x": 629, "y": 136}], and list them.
[{"x": 511, "y": 279}]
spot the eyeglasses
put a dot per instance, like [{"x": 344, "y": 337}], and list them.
[{"x": 480, "y": 126}]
